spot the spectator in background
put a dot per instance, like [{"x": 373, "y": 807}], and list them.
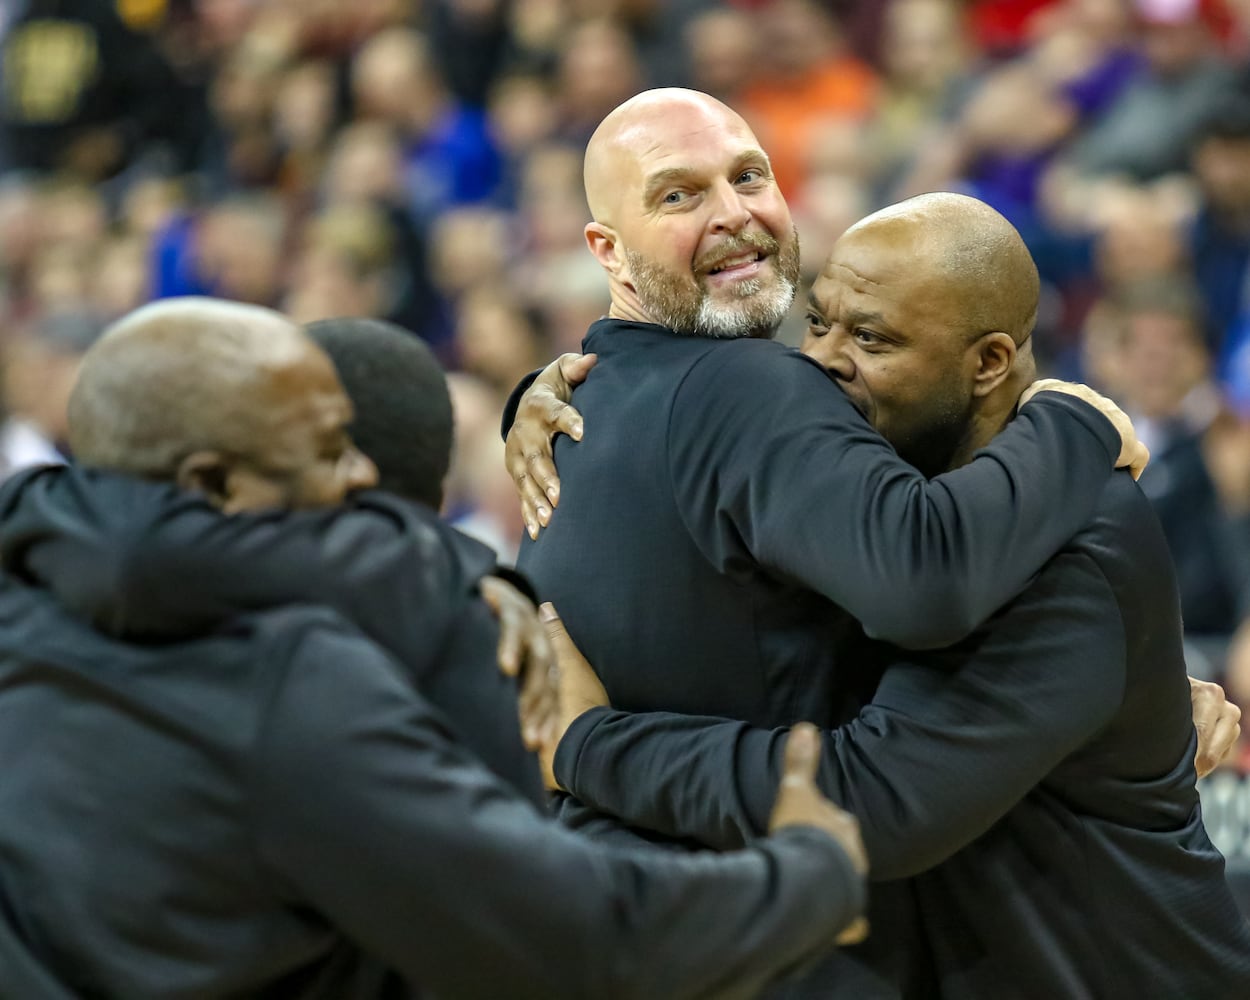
[
  {"x": 523, "y": 115},
  {"x": 450, "y": 158},
  {"x": 1148, "y": 130},
  {"x": 498, "y": 342},
  {"x": 346, "y": 266},
  {"x": 724, "y": 52},
  {"x": 474, "y": 501},
  {"x": 1220, "y": 234},
  {"x": 926, "y": 58},
  {"x": 1165, "y": 384},
  {"x": 598, "y": 68},
  {"x": 86, "y": 89},
  {"x": 40, "y": 366},
  {"x": 807, "y": 78},
  {"x": 232, "y": 250}
]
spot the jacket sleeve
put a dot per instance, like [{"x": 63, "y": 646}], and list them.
[
  {"x": 108, "y": 545},
  {"x": 367, "y": 813},
  {"x": 945, "y": 749},
  {"x": 772, "y": 466}
]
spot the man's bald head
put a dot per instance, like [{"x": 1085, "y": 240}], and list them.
[
  {"x": 969, "y": 248},
  {"x": 689, "y": 223},
  {"x": 923, "y": 313},
  {"x": 632, "y": 129},
  {"x": 182, "y": 376}
]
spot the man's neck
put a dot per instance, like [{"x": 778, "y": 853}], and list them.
[{"x": 992, "y": 415}]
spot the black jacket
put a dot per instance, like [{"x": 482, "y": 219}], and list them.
[
  {"x": 145, "y": 561},
  {"x": 272, "y": 810},
  {"x": 729, "y": 511},
  {"x": 1037, "y": 778}
]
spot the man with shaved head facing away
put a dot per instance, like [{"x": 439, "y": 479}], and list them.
[
  {"x": 270, "y": 807},
  {"x": 1027, "y": 795}
]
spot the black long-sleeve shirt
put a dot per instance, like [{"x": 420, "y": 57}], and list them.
[
  {"x": 729, "y": 510},
  {"x": 112, "y": 544},
  {"x": 1039, "y": 775},
  {"x": 272, "y": 810}
]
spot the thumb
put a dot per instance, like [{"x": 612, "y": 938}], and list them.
[
  {"x": 802, "y": 756},
  {"x": 577, "y": 367},
  {"x": 553, "y": 626}
]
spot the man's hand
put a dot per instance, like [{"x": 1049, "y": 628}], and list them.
[
  {"x": 801, "y": 803},
  {"x": 1133, "y": 454},
  {"x": 525, "y": 652},
  {"x": 542, "y": 413},
  {"x": 580, "y": 689},
  {"x": 1218, "y": 723}
]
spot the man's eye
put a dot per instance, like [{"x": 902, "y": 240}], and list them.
[
  {"x": 865, "y": 337},
  {"x": 674, "y": 197},
  {"x": 816, "y": 326},
  {"x": 750, "y": 176}
]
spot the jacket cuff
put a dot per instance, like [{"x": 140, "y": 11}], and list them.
[{"x": 569, "y": 752}]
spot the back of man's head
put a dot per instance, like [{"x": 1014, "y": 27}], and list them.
[
  {"x": 177, "y": 377},
  {"x": 403, "y": 410}
]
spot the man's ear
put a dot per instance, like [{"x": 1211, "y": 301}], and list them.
[
  {"x": 206, "y": 472},
  {"x": 996, "y": 354},
  {"x": 602, "y": 242}
]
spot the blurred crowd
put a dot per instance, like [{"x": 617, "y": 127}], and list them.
[{"x": 420, "y": 161}]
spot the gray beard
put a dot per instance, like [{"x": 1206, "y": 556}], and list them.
[{"x": 686, "y": 308}]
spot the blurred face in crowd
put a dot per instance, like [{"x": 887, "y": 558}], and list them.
[
  {"x": 723, "y": 52},
  {"x": 1222, "y": 164},
  {"x": 1161, "y": 359},
  {"x": 923, "y": 47},
  {"x": 690, "y": 224},
  {"x": 1174, "y": 44}
]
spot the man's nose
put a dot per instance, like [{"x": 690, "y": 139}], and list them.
[
  {"x": 730, "y": 213},
  {"x": 362, "y": 474},
  {"x": 829, "y": 351}
]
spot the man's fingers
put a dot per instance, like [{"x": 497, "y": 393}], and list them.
[
  {"x": 542, "y": 473},
  {"x": 511, "y": 639},
  {"x": 854, "y": 932},
  {"x": 1218, "y": 742},
  {"x": 569, "y": 420},
  {"x": 533, "y": 503},
  {"x": 512, "y": 626},
  {"x": 802, "y": 756},
  {"x": 1133, "y": 454},
  {"x": 575, "y": 367},
  {"x": 554, "y": 628}
]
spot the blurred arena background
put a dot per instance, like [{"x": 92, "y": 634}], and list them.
[{"x": 420, "y": 161}]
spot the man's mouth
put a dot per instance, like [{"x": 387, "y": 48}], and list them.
[{"x": 737, "y": 263}]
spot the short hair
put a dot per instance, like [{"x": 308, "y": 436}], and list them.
[
  {"x": 403, "y": 408},
  {"x": 1168, "y": 295}
]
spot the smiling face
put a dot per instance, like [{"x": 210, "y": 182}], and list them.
[
  {"x": 894, "y": 331},
  {"x": 689, "y": 223}
]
